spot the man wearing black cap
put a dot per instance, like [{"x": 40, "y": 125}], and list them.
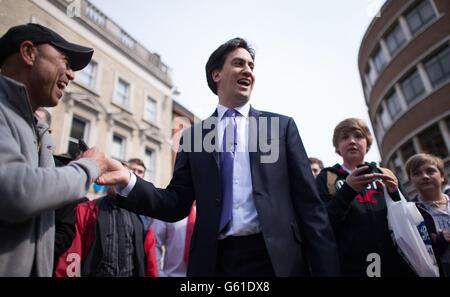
[{"x": 36, "y": 66}]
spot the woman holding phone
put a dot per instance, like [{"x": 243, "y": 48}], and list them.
[{"x": 354, "y": 197}]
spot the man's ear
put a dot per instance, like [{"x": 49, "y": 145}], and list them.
[
  {"x": 27, "y": 52},
  {"x": 216, "y": 76}
]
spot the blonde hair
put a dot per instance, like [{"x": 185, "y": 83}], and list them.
[
  {"x": 350, "y": 125},
  {"x": 418, "y": 160}
]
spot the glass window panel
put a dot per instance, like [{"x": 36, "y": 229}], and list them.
[
  {"x": 426, "y": 11},
  {"x": 395, "y": 39},
  {"x": 393, "y": 103},
  {"x": 150, "y": 111},
  {"x": 118, "y": 148},
  {"x": 438, "y": 67},
  {"x": 432, "y": 142},
  {"x": 379, "y": 60},
  {"x": 408, "y": 150},
  {"x": 397, "y": 165},
  {"x": 78, "y": 128},
  {"x": 122, "y": 93},
  {"x": 412, "y": 87},
  {"x": 421, "y": 15},
  {"x": 384, "y": 118},
  {"x": 371, "y": 75},
  {"x": 87, "y": 76}
]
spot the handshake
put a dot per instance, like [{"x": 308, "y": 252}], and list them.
[{"x": 112, "y": 172}]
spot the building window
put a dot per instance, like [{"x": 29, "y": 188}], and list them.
[
  {"x": 127, "y": 40},
  {"x": 421, "y": 15},
  {"x": 380, "y": 60},
  {"x": 150, "y": 110},
  {"x": 438, "y": 67},
  {"x": 96, "y": 15},
  {"x": 366, "y": 92},
  {"x": 122, "y": 94},
  {"x": 150, "y": 164},
  {"x": 378, "y": 130},
  {"x": 118, "y": 147},
  {"x": 397, "y": 165},
  {"x": 393, "y": 105},
  {"x": 412, "y": 87},
  {"x": 432, "y": 142},
  {"x": 384, "y": 117},
  {"x": 395, "y": 39},
  {"x": 408, "y": 150},
  {"x": 88, "y": 75},
  {"x": 371, "y": 75},
  {"x": 78, "y": 130}
]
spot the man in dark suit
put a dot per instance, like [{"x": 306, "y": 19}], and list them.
[{"x": 258, "y": 210}]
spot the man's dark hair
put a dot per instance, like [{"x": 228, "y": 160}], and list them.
[{"x": 218, "y": 57}]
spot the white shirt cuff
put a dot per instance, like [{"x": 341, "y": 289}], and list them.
[{"x": 124, "y": 192}]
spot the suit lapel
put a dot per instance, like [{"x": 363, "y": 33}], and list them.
[{"x": 254, "y": 150}]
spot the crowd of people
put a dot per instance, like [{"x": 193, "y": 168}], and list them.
[{"x": 235, "y": 210}]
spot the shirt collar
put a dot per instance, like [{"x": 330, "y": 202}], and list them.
[{"x": 243, "y": 110}]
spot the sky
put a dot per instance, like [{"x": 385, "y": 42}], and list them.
[{"x": 306, "y": 63}]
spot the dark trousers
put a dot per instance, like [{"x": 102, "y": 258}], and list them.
[{"x": 243, "y": 256}]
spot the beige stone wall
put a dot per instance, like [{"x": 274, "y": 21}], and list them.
[{"x": 96, "y": 104}]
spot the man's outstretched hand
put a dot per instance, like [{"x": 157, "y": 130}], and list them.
[{"x": 116, "y": 174}]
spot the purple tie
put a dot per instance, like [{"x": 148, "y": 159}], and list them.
[{"x": 226, "y": 169}]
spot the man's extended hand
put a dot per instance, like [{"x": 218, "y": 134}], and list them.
[
  {"x": 98, "y": 157},
  {"x": 116, "y": 174}
]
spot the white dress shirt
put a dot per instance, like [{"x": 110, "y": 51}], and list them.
[
  {"x": 244, "y": 216},
  {"x": 172, "y": 237}
]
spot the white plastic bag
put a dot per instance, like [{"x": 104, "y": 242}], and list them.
[{"x": 411, "y": 236}]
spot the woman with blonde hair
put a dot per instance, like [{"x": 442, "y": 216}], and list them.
[
  {"x": 426, "y": 173},
  {"x": 354, "y": 195}
]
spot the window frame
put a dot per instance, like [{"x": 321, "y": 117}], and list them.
[
  {"x": 391, "y": 35},
  {"x": 154, "y": 120},
  {"x": 93, "y": 76},
  {"x": 410, "y": 78},
  {"x": 116, "y": 100},
  {"x": 417, "y": 10},
  {"x": 122, "y": 152},
  {"x": 436, "y": 58},
  {"x": 85, "y": 132}
]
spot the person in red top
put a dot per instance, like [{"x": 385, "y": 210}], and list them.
[{"x": 105, "y": 242}]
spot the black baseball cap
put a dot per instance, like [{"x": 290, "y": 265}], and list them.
[{"x": 79, "y": 56}]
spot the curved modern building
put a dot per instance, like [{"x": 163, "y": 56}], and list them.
[{"x": 404, "y": 63}]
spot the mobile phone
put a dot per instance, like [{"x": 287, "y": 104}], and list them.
[
  {"x": 371, "y": 168},
  {"x": 82, "y": 145}
]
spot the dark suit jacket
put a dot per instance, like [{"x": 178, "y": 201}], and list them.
[{"x": 293, "y": 219}]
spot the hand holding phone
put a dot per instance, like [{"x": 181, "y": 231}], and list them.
[{"x": 370, "y": 169}]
